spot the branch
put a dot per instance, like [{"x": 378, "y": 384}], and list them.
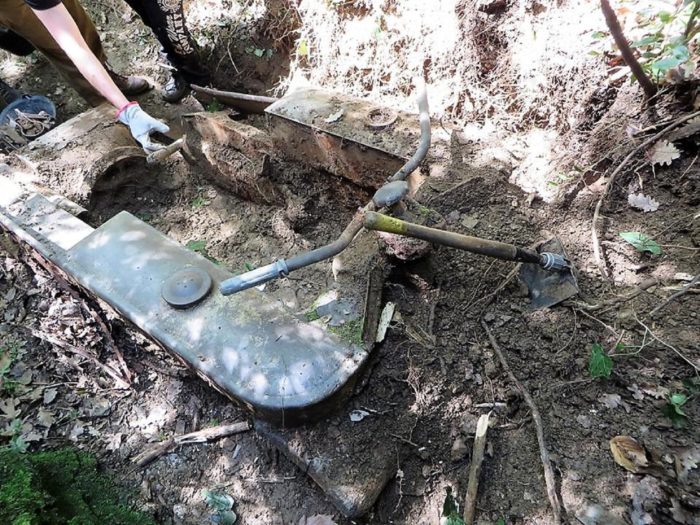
[
  {"x": 549, "y": 478},
  {"x": 475, "y": 468},
  {"x": 627, "y": 54},
  {"x": 676, "y": 295},
  {"x": 201, "y": 436}
]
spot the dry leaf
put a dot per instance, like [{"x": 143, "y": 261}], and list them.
[
  {"x": 642, "y": 202},
  {"x": 45, "y": 418},
  {"x": 49, "y": 395},
  {"x": 9, "y": 408},
  {"x": 629, "y": 454},
  {"x": 611, "y": 400},
  {"x": 663, "y": 153},
  {"x": 334, "y": 117},
  {"x": 685, "y": 461}
]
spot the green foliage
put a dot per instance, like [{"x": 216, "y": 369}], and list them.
[
  {"x": 450, "y": 509},
  {"x": 312, "y": 315},
  {"x": 214, "y": 106},
  {"x": 199, "y": 201},
  {"x": 599, "y": 364},
  {"x": 641, "y": 242},
  {"x": 60, "y": 488},
  {"x": 303, "y": 48},
  {"x": 350, "y": 331},
  {"x": 673, "y": 409},
  {"x": 664, "y": 39}
]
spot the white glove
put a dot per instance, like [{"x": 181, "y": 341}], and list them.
[{"x": 141, "y": 125}]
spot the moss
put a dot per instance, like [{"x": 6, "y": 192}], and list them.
[
  {"x": 312, "y": 315},
  {"x": 60, "y": 488},
  {"x": 350, "y": 331}
]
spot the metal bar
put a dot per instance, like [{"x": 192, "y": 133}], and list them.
[
  {"x": 499, "y": 250},
  {"x": 240, "y": 101}
]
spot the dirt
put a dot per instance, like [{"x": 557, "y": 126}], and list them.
[{"x": 527, "y": 145}]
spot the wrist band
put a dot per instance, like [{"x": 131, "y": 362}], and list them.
[{"x": 119, "y": 112}]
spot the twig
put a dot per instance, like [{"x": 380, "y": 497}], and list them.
[
  {"x": 611, "y": 181},
  {"x": 549, "y": 478},
  {"x": 482, "y": 426},
  {"x": 625, "y": 50},
  {"x": 686, "y": 288},
  {"x": 678, "y": 352},
  {"x": 111, "y": 372},
  {"x": 200, "y": 436},
  {"x": 644, "y": 286}
]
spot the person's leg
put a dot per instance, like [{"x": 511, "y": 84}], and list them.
[
  {"x": 167, "y": 21},
  {"x": 15, "y": 44},
  {"x": 18, "y": 17}
]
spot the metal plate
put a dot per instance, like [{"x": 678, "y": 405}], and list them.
[
  {"x": 186, "y": 287},
  {"x": 285, "y": 370},
  {"x": 350, "y": 119}
]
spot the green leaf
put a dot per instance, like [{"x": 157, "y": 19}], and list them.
[
  {"x": 303, "y": 48},
  {"x": 501, "y": 522},
  {"x": 666, "y": 17},
  {"x": 218, "y": 500},
  {"x": 660, "y": 67},
  {"x": 679, "y": 420},
  {"x": 197, "y": 246},
  {"x": 259, "y": 52},
  {"x": 641, "y": 242},
  {"x": 454, "y": 519},
  {"x": 678, "y": 400},
  {"x": 647, "y": 40},
  {"x": 598, "y": 35},
  {"x": 599, "y": 364}
]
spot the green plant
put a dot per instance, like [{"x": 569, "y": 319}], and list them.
[
  {"x": 663, "y": 40},
  {"x": 214, "y": 106},
  {"x": 673, "y": 409},
  {"x": 11, "y": 350},
  {"x": 61, "y": 488},
  {"x": 600, "y": 364},
  {"x": 350, "y": 331},
  {"x": 641, "y": 242},
  {"x": 450, "y": 509},
  {"x": 199, "y": 201}
]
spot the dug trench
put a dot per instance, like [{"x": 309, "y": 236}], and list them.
[{"x": 416, "y": 405}]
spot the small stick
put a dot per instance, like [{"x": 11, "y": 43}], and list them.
[
  {"x": 678, "y": 352},
  {"x": 111, "y": 372},
  {"x": 482, "y": 427},
  {"x": 686, "y": 288},
  {"x": 200, "y": 436},
  {"x": 611, "y": 180},
  {"x": 649, "y": 283},
  {"x": 537, "y": 419}
]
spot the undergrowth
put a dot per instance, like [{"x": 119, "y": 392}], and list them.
[{"x": 60, "y": 488}]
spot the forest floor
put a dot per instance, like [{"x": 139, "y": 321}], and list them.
[{"x": 530, "y": 141}]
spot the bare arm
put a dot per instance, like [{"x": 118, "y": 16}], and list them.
[{"x": 60, "y": 24}]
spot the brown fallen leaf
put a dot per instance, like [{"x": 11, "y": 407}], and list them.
[{"x": 629, "y": 454}]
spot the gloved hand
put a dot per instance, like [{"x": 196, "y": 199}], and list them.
[{"x": 141, "y": 125}]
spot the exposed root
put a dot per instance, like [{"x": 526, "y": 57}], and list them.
[
  {"x": 683, "y": 291},
  {"x": 549, "y": 478}
]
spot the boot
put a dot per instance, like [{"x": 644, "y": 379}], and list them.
[
  {"x": 129, "y": 85},
  {"x": 176, "y": 88}
]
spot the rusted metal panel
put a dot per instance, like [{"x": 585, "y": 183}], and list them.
[{"x": 349, "y": 137}]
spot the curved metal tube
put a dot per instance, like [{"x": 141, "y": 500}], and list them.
[
  {"x": 424, "y": 145},
  {"x": 281, "y": 267}
]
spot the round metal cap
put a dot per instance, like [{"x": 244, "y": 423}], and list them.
[{"x": 186, "y": 287}]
